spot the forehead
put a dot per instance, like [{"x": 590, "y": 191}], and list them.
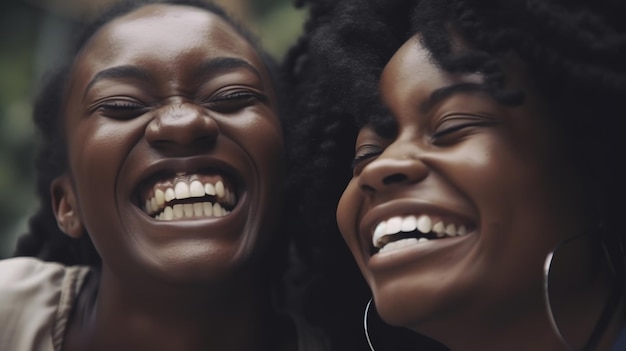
[
  {"x": 412, "y": 81},
  {"x": 409, "y": 78},
  {"x": 413, "y": 66},
  {"x": 164, "y": 34},
  {"x": 411, "y": 57}
]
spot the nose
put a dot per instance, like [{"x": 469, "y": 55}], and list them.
[
  {"x": 182, "y": 126},
  {"x": 389, "y": 171}
]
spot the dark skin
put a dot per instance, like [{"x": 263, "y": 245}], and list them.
[
  {"x": 166, "y": 95},
  {"x": 495, "y": 186}
]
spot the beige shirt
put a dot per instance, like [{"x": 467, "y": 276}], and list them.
[{"x": 36, "y": 299}]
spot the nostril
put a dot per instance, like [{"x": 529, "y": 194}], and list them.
[
  {"x": 394, "y": 178},
  {"x": 205, "y": 139},
  {"x": 368, "y": 189}
]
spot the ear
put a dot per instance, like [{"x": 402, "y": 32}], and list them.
[{"x": 65, "y": 207}]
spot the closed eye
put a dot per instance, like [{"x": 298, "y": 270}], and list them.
[
  {"x": 455, "y": 128},
  {"x": 233, "y": 100},
  {"x": 119, "y": 108},
  {"x": 364, "y": 157},
  {"x": 364, "y": 154}
]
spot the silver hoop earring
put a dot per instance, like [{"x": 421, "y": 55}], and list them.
[
  {"x": 367, "y": 334},
  {"x": 394, "y": 338},
  {"x": 614, "y": 256}
]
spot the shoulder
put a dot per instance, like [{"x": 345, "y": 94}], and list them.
[
  {"x": 35, "y": 301},
  {"x": 26, "y": 277},
  {"x": 25, "y": 268}
]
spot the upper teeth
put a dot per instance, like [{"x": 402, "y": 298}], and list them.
[
  {"x": 157, "y": 204},
  {"x": 424, "y": 224}
]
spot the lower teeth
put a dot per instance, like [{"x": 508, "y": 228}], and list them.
[{"x": 402, "y": 243}]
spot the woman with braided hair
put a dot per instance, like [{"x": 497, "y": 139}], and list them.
[
  {"x": 475, "y": 149},
  {"x": 160, "y": 178}
]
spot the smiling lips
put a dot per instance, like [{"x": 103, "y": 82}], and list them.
[
  {"x": 399, "y": 232},
  {"x": 190, "y": 196}
]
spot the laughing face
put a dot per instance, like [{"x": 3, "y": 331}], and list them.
[
  {"x": 175, "y": 148},
  {"x": 450, "y": 219}
]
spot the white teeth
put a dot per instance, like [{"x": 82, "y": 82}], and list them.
[
  {"x": 182, "y": 191},
  {"x": 159, "y": 195},
  {"x": 219, "y": 189},
  {"x": 409, "y": 224},
  {"x": 379, "y": 232},
  {"x": 423, "y": 223},
  {"x": 196, "y": 189},
  {"x": 178, "y": 211},
  {"x": 168, "y": 213},
  {"x": 209, "y": 189},
  {"x": 207, "y": 209},
  {"x": 197, "y": 209},
  {"x": 156, "y": 205},
  {"x": 439, "y": 229},
  {"x": 217, "y": 210},
  {"x": 394, "y": 225},
  {"x": 188, "y": 210},
  {"x": 169, "y": 195},
  {"x": 451, "y": 229},
  {"x": 397, "y": 245},
  {"x": 153, "y": 204}
]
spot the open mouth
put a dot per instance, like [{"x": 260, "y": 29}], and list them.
[
  {"x": 187, "y": 196},
  {"x": 403, "y": 231}
]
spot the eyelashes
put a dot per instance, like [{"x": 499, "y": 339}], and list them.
[
  {"x": 358, "y": 159},
  {"x": 128, "y": 107},
  {"x": 120, "y": 108},
  {"x": 365, "y": 153},
  {"x": 456, "y": 131},
  {"x": 234, "y": 100},
  {"x": 451, "y": 130}
]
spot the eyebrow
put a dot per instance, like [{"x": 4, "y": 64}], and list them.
[
  {"x": 224, "y": 64},
  {"x": 127, "y": 71},
  {"x": 212, "y": 66},
  {"x": 441, "y": 94}
]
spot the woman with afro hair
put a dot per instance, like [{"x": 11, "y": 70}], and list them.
[{"x": 470, "y": 154}]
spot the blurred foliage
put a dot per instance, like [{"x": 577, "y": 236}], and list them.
[{"x": 33, "y": 37}]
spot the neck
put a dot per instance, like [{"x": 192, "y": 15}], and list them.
[
  {"x": 577, "y": 301},
  {"x": 510, "y": 328},
  {"x": 225, "y": 315}
]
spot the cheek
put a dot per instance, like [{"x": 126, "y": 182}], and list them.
[
  {"x": 267, "y": 149},
  {"x": 98, "y": 151},
  {"x": 348, "y": 215},
  {"x": 261, "y": 139},
  {"x": 261, "y": 136}
]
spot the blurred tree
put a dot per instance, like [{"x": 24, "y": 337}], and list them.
[{"x": 34, "y": 35}]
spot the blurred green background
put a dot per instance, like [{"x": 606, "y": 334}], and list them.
[{"x": 34, "y": 36}]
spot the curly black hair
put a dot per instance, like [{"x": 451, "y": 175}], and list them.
[
  {"x": 576, "y": 54},
  {"x": 44, "y": 239}
]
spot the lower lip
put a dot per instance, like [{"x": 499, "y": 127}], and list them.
[{"x": 417, "y": 252}]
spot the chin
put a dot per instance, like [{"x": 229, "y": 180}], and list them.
[
  {"x": 420, "y": 304},
  {"x": 200, "y": 263},
  {"x": 396, "y": 313}
]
